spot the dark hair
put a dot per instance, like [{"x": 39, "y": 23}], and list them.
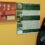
[{"x": 43, "y": 26}]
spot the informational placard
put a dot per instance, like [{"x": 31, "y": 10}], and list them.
[
  {"x": 28, "y": 18},
  {"x": 7, "y": 11}
]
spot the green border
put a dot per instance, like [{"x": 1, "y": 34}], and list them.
[
  {"x": 30, "y": 7},
  {"x": 31, "y": 30},
  {"x": 30, "y": 18}
]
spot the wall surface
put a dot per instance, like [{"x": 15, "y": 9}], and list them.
[{"x": 8, "y": 34}]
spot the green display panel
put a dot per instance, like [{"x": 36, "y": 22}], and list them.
[
  {"x": 28, "y": 18},
  {"x": 25, "y": 6}
]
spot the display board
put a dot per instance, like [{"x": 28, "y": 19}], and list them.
[
  {"x": 28, "y": 18},
  {"x": 7, "y": 11}
]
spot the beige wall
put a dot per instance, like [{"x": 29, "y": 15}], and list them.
[{"x": 8, "y": 34}]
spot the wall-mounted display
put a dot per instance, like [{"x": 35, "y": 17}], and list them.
[
  {"x": 28, "y": 18},
  {"x": 7, "y": 11}
]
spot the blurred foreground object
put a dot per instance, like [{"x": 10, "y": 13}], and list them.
[{"x": 41, "y": 34}]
